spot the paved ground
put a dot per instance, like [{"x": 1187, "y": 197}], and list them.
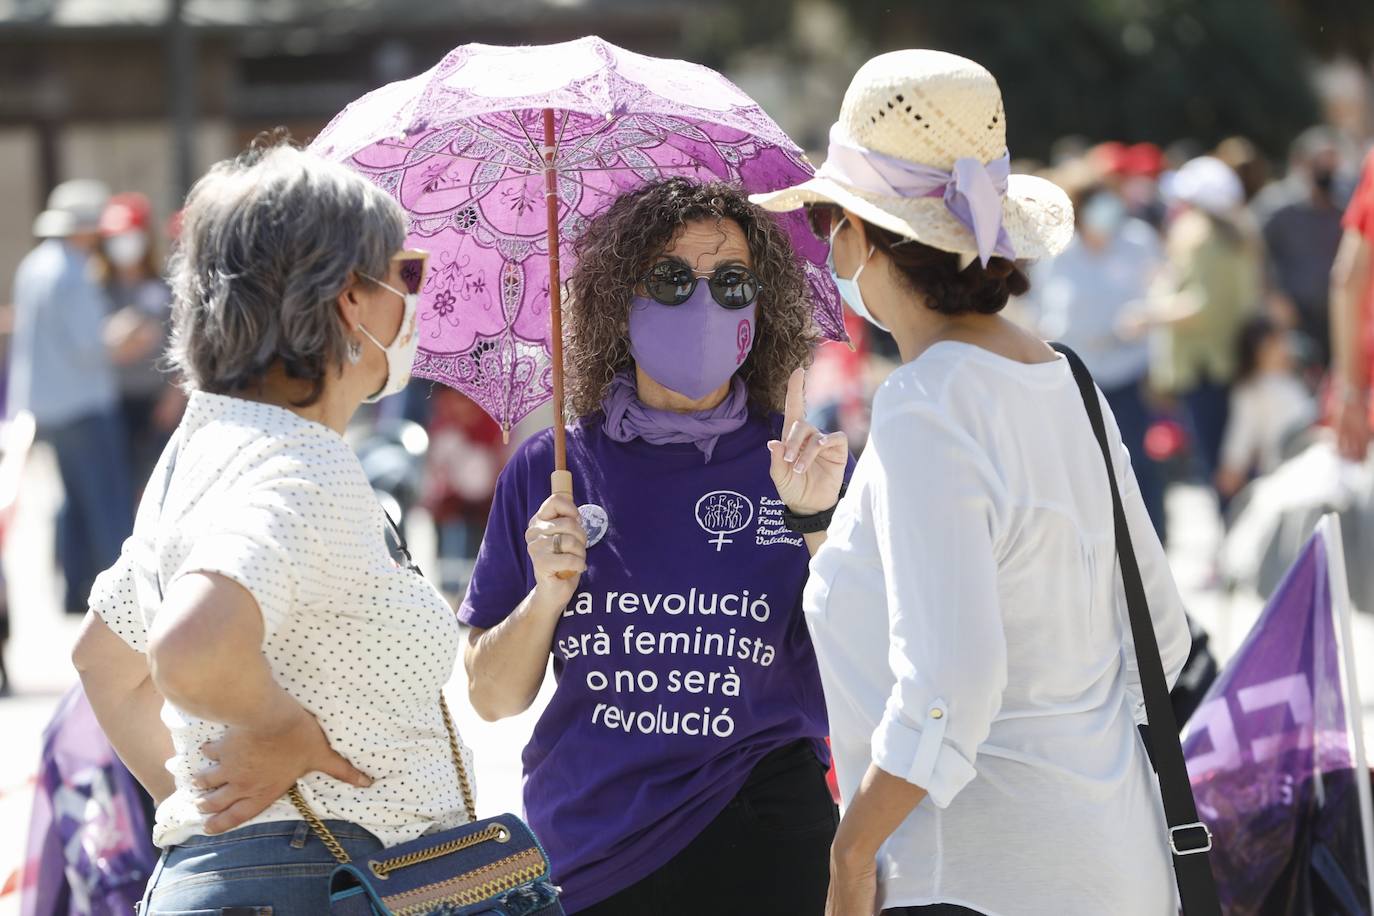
[{"x": 38, "y": 655}]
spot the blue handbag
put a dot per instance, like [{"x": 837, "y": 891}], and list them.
[{"x": 494, "y": 866}]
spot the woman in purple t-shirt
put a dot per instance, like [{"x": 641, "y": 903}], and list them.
[{"x": 680, "y": 765}]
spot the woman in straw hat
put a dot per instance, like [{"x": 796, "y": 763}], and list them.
[{"x": 964, "y": 608}]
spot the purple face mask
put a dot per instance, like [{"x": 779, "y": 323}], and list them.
[{"x": 693, "y": 348}]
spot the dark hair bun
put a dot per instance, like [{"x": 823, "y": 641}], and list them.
[
  {"x": 948, "y": 289},
  {"x": 999, "y": 268}
]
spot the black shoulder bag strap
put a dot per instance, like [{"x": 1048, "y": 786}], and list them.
[
  {"x": 1189, "y": 839},
  {"x": 172, "y": 451}
]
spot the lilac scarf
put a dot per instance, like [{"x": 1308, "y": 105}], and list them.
[
  {"x": 972, "y": 191},
  {"x": 628, "y": 418}
]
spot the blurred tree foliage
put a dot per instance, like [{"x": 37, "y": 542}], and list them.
[
  {"x": 1160, "y": 70},
  {"x": 1332, "y": 27}
]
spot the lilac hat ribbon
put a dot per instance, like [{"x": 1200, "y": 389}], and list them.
[
  {"x": 629, "y": 418},
  {"x": 973, "y": 192}
]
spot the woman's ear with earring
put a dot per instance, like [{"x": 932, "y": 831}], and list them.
[{"x": 349, "y": 309}]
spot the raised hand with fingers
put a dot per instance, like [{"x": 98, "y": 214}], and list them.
[
  {"x": 252, "y": 768},
  {"x": 808, "y": 465}
]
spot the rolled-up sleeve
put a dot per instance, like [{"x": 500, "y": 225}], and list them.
[
  {"x": 115, "y": 599},
  {"x": 937, "y": 502}
]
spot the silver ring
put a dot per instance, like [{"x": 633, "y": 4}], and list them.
[{"x": 558, "y": 543}]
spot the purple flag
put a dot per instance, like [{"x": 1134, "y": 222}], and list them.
[
  {"x": 1269, "y": 757},
  {"x": 90, "y": 842}
]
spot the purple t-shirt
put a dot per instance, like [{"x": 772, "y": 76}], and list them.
[{"x": 682, "y": 660}]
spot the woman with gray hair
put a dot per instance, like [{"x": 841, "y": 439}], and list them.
[{"x": 257, "y": 634}]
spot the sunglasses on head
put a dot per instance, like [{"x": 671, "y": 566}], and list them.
[
  {"x": 733, "y": 286},
  {"x": 823, "y": 218}
]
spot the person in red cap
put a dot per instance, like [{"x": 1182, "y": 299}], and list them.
[{"x": 137, "y": 330}]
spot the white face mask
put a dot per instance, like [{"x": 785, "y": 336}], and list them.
[
  {"x": 400, "y": 355},
  {"x": 849, "y": 288},
  {"x": 126, "y": 249}
]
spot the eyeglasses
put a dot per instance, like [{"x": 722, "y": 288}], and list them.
[
  {"x": 414, "y": 265},
  {"x": 823, "y": 219},
  {"x": 733, "y": 286}
]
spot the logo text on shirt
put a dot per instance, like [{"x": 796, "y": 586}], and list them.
[{"x": 772, "y": 527}]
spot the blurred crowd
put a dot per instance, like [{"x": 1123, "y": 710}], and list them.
[
  {"x": 88, "y": 323},
  {"x": 1196, "y": 289}
]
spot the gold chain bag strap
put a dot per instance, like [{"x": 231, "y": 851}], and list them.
[
  {"x": 482, "y": 860},
  {"x": 332, "y": 844},
  {"x": 497, "y": 857}
]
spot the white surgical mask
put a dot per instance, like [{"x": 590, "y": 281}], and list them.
[
  {"x": 849, "y": 288},
  {"x": 400, "y": 354},
  {"x": 126, "y": 249}
]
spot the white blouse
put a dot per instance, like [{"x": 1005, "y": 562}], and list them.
[
  {"x": 281, "y": 506},
  {"x": 973, "y": 640}
]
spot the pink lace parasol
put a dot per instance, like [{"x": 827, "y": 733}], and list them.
[{"x": 465, "y": 150}]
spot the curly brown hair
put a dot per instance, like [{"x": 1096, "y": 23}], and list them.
[{"x": 620, "y": 246}]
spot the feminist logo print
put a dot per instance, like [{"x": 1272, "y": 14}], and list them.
[{"x": 723, "y": 513}]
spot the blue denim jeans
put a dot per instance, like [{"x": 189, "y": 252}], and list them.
[
  {"x": 1133, "y": 419},
  {"x": 276, "y": 869},
  {"x": 98, "y": 513},
  {"x": 1206, "y": 408}
]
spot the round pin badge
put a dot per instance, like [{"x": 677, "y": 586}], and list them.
[{"x": 595, "y": 521}]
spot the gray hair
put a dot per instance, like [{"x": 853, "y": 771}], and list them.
[{"x": 268, "y": 242}]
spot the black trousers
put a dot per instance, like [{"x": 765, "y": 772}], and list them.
[{"x": 767, "y": 853}]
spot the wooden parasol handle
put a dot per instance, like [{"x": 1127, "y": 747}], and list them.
[{"x": 562, "y": 479}]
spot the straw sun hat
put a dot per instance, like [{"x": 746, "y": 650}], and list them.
[{"x": 920, "y": 149}]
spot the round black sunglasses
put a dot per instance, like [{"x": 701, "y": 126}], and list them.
[{"x": 733, "y": 286}]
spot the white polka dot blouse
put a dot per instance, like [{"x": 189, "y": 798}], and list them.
[{"x": 281, "y": 505}]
